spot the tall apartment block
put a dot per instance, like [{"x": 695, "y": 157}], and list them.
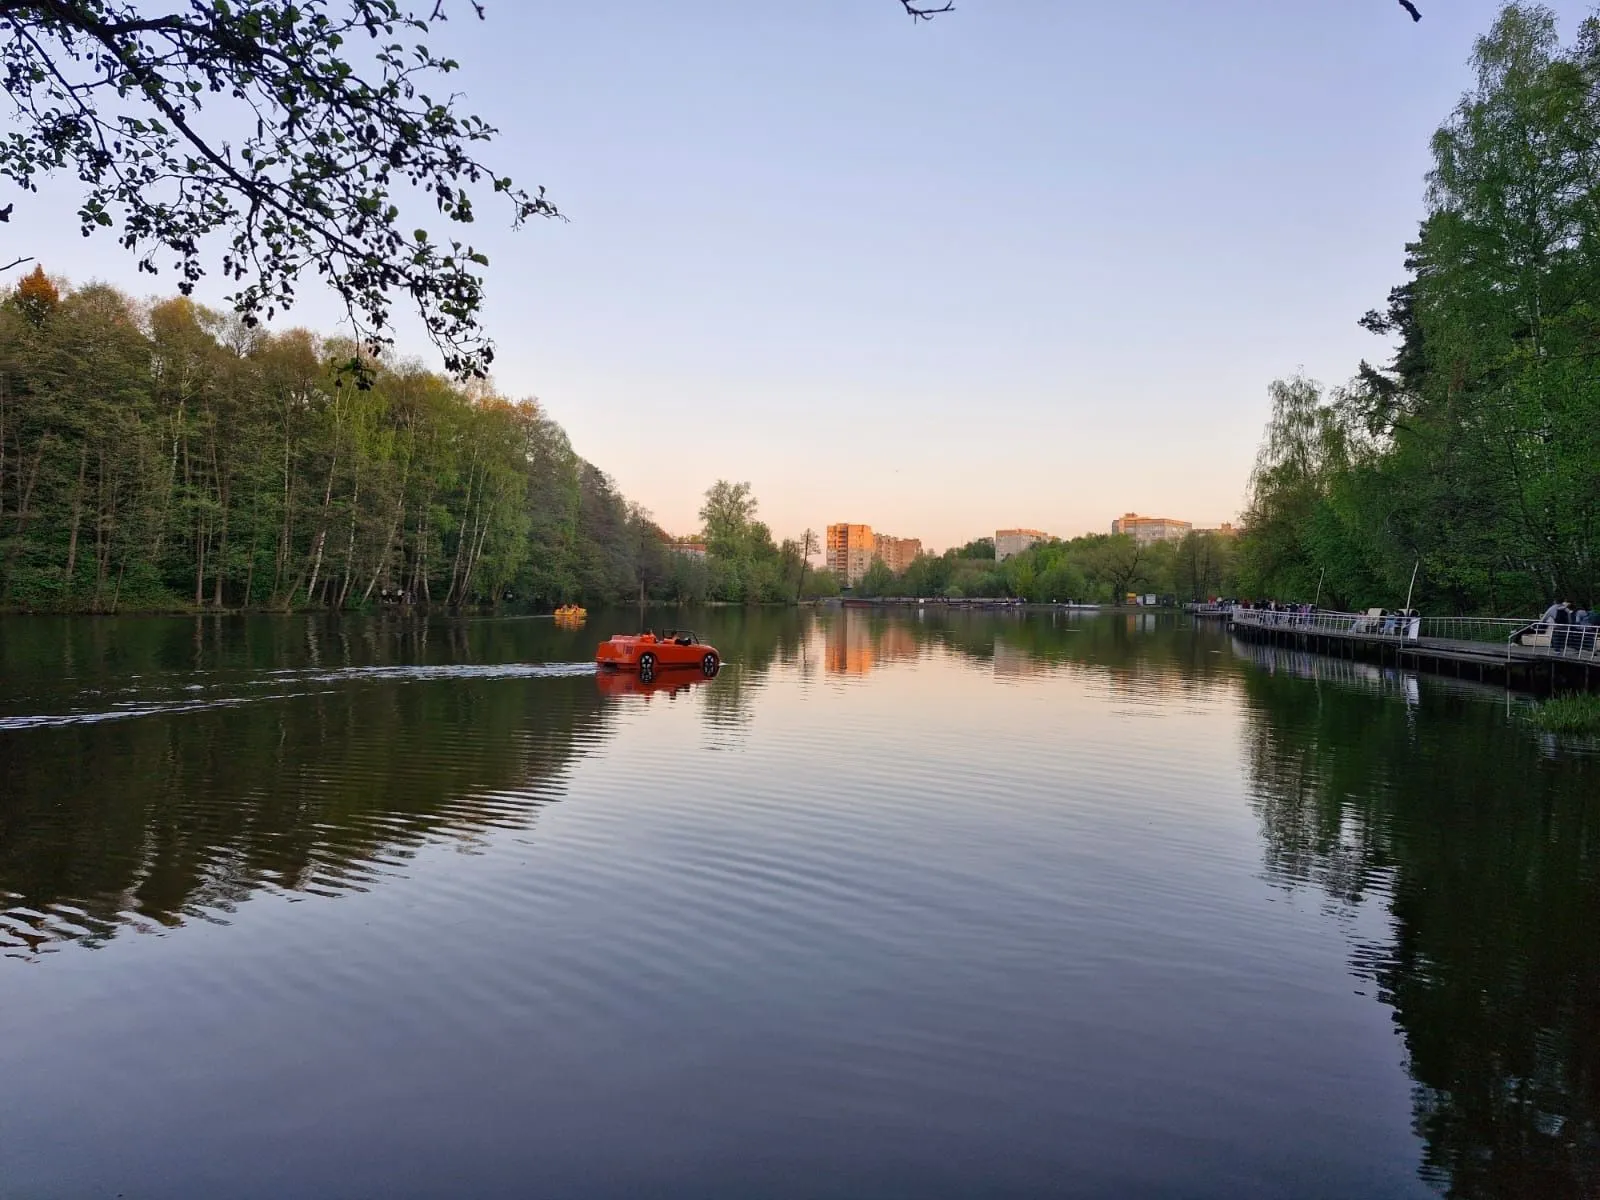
[
  {"x": 850, "y": 550},
  {"x": 1145, "y": 530},
  {"x": 1014, "y": 541},
  {"x": 897, "y": 552}
]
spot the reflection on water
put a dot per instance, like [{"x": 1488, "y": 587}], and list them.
[
  {"x": 1323, "y": 668},
  {"x": 1483, "y": 850},
  {"x": 187, "y": 811},
  {"x": 908, "y": 903}
]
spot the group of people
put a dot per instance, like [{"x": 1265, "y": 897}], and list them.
[
  {"x": 1571, "y": 628},
  {"x": 1286, "y": 611},
  {"x": 1388, "y": 622}
]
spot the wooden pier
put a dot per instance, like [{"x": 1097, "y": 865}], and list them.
[{"x": 1405, "y": 642}]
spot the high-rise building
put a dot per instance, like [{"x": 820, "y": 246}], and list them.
[
  {"x": 897, "y": 552},
  {"x": 850, "y": 550},
  {"x": 1014, "y": 541},
  {"x": 1145, "y": 530}
]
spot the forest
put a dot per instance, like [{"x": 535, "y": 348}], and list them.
[
  {"x": 1095, "y": 568},
  {"x": 163, "y": 456},
  {"x": 1472, "y": 457}
]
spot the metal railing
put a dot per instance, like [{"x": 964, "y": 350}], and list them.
[
  {"x": 1374, "y": 624},
  {"x": 1494, "y": 630},
  {"x": 1580, "y": 643}
]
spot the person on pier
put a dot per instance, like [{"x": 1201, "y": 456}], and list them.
[{"x": 1555, "y": 617}]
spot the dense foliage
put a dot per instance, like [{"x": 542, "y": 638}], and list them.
[
  {"x": 1473, "y": 457},
  {"x": 166, "y": 455},
  {"x": 743, "y": 563},
  {"x": 1097, "y": 568},
  {"x": 307, "y": 135}
]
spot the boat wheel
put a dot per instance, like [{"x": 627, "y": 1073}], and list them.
[
  {"x": 708, "y": 664},
  {"x": 647, "y": 667}
]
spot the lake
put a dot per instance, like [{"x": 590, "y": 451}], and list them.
[{"x": 929, "y": 905}]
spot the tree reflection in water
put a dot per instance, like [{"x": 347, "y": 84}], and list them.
[
  {"x": 1486, "y": 851},
  {"x": 1374, "y": 788},
  {"x": 302, "y": 764}
]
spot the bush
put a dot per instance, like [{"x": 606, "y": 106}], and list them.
[{"x": 1569, "y": 714}]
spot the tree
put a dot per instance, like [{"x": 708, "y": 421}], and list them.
[
  {"x": 37, "y": 297},
  {"x": 820, "y": 585},
  {"x": 168, "y": 456},
  {"x": 1302, "y": 448},
  {"x": 727, "y": 517},
  {"x": 1114, "y": 559},
  {"x": 1475, "y": 452},
  {"x": 878, "y": 581},
  {"x": 294, "y": 130},
  {"x": 977, "y": 548},
  {"x": 809, "y": 545},
  {"x": 1203, "y": 565}
]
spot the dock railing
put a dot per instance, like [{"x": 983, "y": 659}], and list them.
[
  {"x": 1373, "y": 624},
  {"x": 1496, "y": 630},
  {"x": 1533, "y": 638},
  {"x": 1548, "y": 639}
]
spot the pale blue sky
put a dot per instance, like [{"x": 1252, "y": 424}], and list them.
[{"x": 1033, "y": 263}]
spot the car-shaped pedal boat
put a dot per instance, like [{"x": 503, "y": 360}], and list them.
[{"x": 649, "y": 652}]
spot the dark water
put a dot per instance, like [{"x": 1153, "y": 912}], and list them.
[{"x": 922, "y": 908}]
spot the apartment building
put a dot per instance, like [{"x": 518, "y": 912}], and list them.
[
  {"x": 850, "y": 551},
  {"x": 852, "y": 548},
  {"x": 1014, "y": 541},
  {"x": 897, "y": 552},
  {"x": 1146, "y": 530}
]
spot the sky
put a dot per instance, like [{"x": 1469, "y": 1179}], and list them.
[{"x": 1033, "y": 263}]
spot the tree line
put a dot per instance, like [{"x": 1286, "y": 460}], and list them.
[
  {"x": 742, "y": 563},
  {"x": 1472, "y": 458},
  {"x": 1095, "y": 568},
  {"x": 166, "y": 456}
]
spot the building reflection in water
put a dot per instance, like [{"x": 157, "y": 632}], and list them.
[{"x": 855, "y": 643}]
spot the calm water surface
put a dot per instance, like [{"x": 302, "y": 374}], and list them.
[{"x": 953, "y": 906}]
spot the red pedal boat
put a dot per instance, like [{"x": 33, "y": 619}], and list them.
[{"x": 650, "y": 652}]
